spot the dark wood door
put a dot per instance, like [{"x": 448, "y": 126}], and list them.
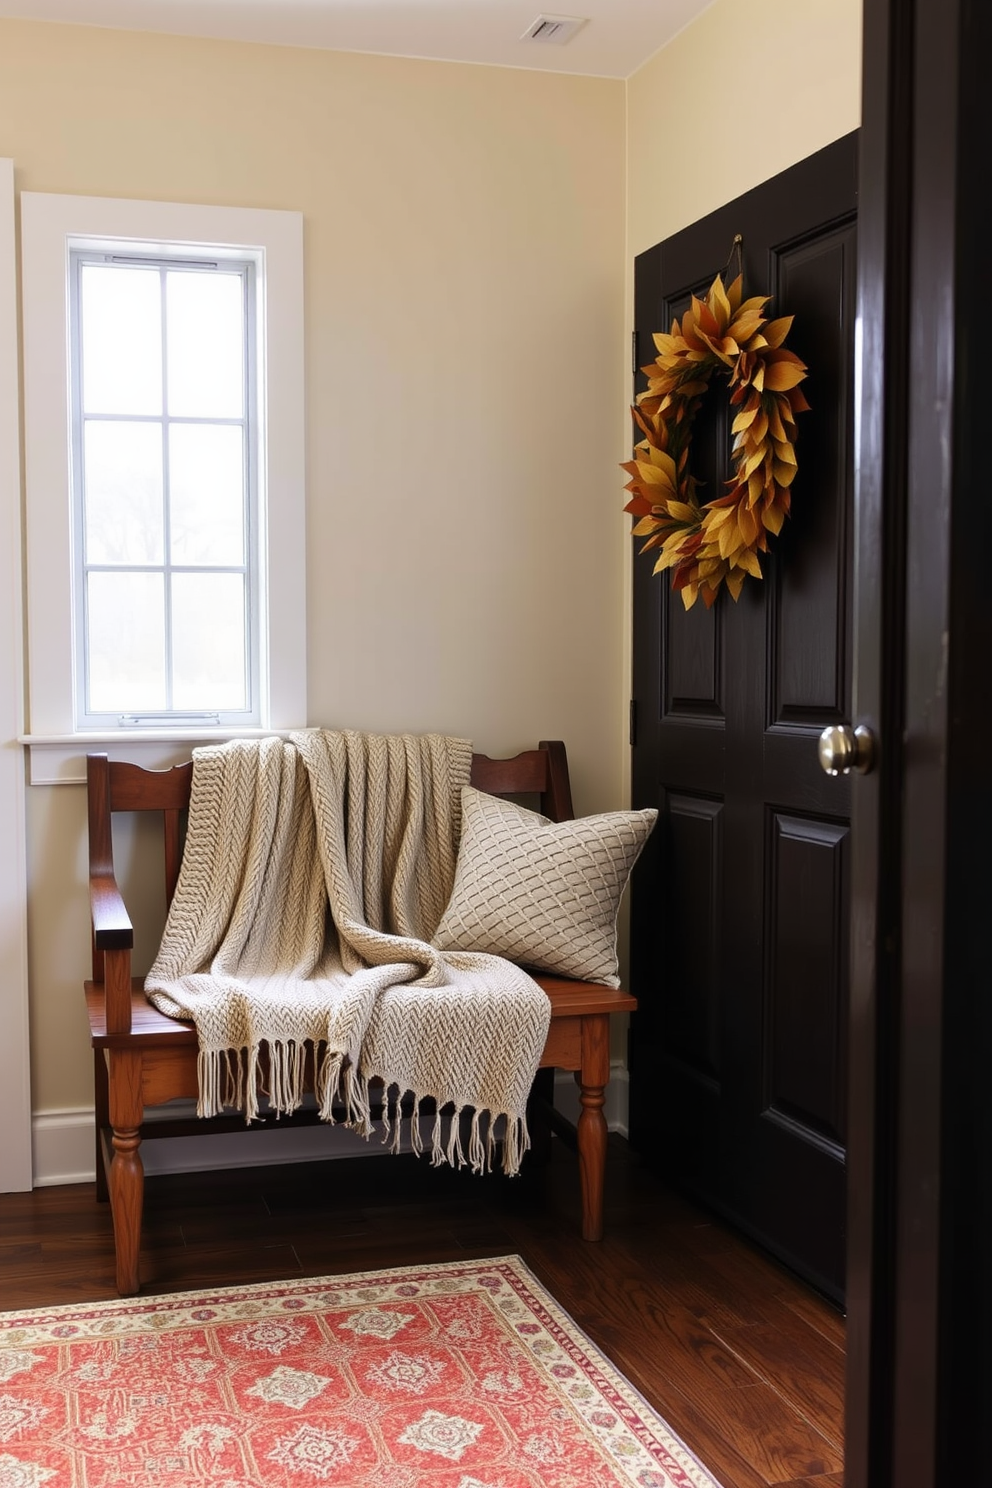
[{"x": 740, "y": 908}]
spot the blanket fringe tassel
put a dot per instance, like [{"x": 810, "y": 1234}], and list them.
[{"x": 232, "y": 1079}]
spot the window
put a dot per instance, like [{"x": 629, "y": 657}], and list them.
[
  {"x": 163, "y": 461},
  {"x": 163, "y": 397}
]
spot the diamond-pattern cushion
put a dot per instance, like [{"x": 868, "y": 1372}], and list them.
[{"x": 544, "y": 894}]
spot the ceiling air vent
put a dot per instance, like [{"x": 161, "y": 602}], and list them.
[{"x": 554, "y": 29}]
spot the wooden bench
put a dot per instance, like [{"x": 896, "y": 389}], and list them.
[{"x": 143, "y": 1059}]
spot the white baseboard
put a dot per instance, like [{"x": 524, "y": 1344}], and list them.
[{"x": 64, "y": 1149}]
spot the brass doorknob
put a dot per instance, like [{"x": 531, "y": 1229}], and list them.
[{"x": 843, "y": 749}]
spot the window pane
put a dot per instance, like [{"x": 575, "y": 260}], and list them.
[
  {"x": 205, "y": 320},
  {"x": 206, "y": 493},
  {"x": 121, "y": 320},
  {"x": 208, "y": 641},
  {"x": 122, "y": 465},
  {"x": 126, "y": 618}
]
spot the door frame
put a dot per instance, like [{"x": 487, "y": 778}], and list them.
[{"x": 920, "y": 1207}]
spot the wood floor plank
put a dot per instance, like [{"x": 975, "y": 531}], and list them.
[
  {"x": 832, "y": 1480},
  {"x": 197, "y": 1266},
  {"x": 694, "y": 1358},
  {"x": 812, "y": 1383},
  {"x": 772, "y": 1439},
  {"x": 24, "y": 1254},
  {"x": 819, "y": 1314}
]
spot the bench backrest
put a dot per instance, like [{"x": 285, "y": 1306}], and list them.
[{"x": 117, "y": 785}]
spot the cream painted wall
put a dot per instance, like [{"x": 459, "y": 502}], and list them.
[
  {"x": 464, "y": 232},
  {"x": 753, "y": 86}
]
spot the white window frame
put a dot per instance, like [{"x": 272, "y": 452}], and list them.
[
  {"x": 50, "y": 225},
  {"x": 15, "y": 1064}
]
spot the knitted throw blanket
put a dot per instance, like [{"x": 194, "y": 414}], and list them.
[{"x": 313, "y": 876}]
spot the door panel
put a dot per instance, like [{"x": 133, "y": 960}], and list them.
[
  {"x": 690, "y": 1017},
  {"x": 805, "y": 983},
  {"x": 740, "y": 911}
]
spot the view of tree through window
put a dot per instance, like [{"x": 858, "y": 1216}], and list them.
[{"x": 162, "y": 466}]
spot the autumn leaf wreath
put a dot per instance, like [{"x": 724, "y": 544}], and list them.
[{"x": 719, "y": 541}]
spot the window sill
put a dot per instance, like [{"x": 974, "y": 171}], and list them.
[{"x": 60, "y": 759}]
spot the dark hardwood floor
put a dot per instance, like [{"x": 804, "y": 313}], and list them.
[{"x": 743, "y": 1361}]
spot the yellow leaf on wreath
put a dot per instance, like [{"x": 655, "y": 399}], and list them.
[
  {"x": 744, "y": 326},
  {"x": 718, "y": 300},
  {"x": 773, "y": 517},
  {"x": 682, "y": 512},
  {"x": 754, "y": 305},
  {"x": 728, "y": 540},
  {"x": 725, "y": 352},
  {"x": 755, "y": 459},
  {"x": 716, "y": 515},
  {"x": 780, "y": 376},
  {"x": 745, "y": 418},
  {"x": 749, "y": 560},
  {"x": 660, "y": 461},
  {"x": 776, "y": 331},
  {"x": 784, "y": 474},
  {"x": 747, "y": 523}
]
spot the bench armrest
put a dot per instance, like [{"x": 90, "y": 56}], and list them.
[{"x": 112, "y": 930}]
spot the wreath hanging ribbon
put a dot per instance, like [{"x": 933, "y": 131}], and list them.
[{"x": 717, "y": 542}]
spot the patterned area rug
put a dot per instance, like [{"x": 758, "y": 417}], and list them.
[{"x": 463, "y": 1375}]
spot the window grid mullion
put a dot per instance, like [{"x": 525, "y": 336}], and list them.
[
  {"x": 248, "y": 476},
  {"x": 166, "y": 495},
  {"x": 176, "y": 418}
]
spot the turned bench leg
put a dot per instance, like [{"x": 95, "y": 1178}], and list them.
[
  {"x": 127, "y": 1176},
  {"x": 592, "y": 1080}
]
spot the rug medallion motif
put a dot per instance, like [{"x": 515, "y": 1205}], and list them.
[{"x": 457, "y": 1375}]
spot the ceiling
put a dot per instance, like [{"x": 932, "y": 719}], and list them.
[{"x": 617, "y": 37}]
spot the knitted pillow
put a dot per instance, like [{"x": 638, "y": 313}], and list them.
[{"x": 544, "y": 894}]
